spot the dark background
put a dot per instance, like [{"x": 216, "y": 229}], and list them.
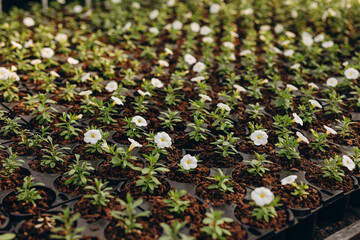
[{"x": 7, "y": 4}]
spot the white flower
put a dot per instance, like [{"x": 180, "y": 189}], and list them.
[
  {"x": 290, "y": 34},
  {"x": 265, "y": 28},
  {"x": 54, "y": 74},
  {"x": 154, "y": 30},
  {"x": 295, "y": 66},
  {"x": 85, "y": 93},
  {"x": 77, "y": 9},
  {"x": 289, "y": 53},
  {"x": 208, "y": 39},
  {"x": 294, "y": 14},
  {"x": 223, "y": 106},
  {"x": 291, "y": 87},
  {"x": 247, "y": 11},
  {"x": 105, "y": 146},
  {"x": 35, "y": 61},
  {"x": 92, "y": 136},
  {"x": 127, "y": 26},
  {"x": 259, "y": 137},
  {"x": 327, "y": 44},
  {"x": 169, "y": 51},
  {"x": 329, "y": 130},
  {"x": 156, "y": 83},
  {"x": 177, "y": 25},
  {"x": 234, "y": 34},
  {"x": 139, "y": 121},
  {"x": 170, "y": 3},
  {"x": 28, "y": 43},
  {"x": 297, "y": 119},
  {"x": 47, "y": 52},
  {"x": 162, "y": 140},
  {"x": 332, "y": 82},
  {"x": 239, "y": 88},
  {"x": 188, "y": 15},
  {"x": 351, "y": 73},
  {"x": 154, "y": 14},
  {"x": 199, "y": 67},
  {"x": 14, "y": 76},
  {"x": 313, "y": 85},
  {"x": 348, "y": 162},
  {"x": 4, "y": 73},
  {"x": 315, "y": 103},
  {"x": 215, "y": 8},
  {"x": 133, "y": 144},
  {"x": 111, "y": 86},
  {"x": 189, "y": 59},
  {"x": 163, "y": 63},
  {"x": 277, "y": 50},
  {"x": 188, "y": 162},
  {"x": 72, "y": 61},
  {"x": 116, "y": 1},
  {"x": 319, "y": 38},
  {"x": 61, "y": 37},
  {"x": 302, "y": 137},
  {"x": 142, "y": 93},
  {"x": 288, "y": 180},
  {"x": 307, "y": 39},
  {"x": 85, "y": 76},
  {"x": 205, "y": 30},
  {"x": 262, "y": 196},
  {"x": 195, "y": 27},
  {"x": 61, "y": 1},
  {"x": 229, "y": 45},
  {"x": 29, "y": 22},
  {"x": 16, "y": 44},
  {"x": 278, "y": 28},
  {"x": 136, "y": 5},
  {"x": 205, "y": 97},
  {"x": 197, "y": 79},
  {"x": 117, "y": 100},
  {"x": 245, "y": 52}
]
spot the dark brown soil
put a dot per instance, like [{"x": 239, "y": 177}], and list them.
[
  {"x": 193, "y": 214},
  {"x": 11, "y": 204},
  {"x": 72, "y": 189},
  {"x": 14, "y": 180},
  {"x": 237, "y": 232},
  {"x": 194, "y": 176},
  {"x": 59, "y": 167},
  {"x": 107, "y": 170},
  {"x": 243, "y": 213},
  {"x": 216, "y": 197},
  {"x": 150, "y": 231},
  {"x": 242, "y": 176},
  {"x": 136, "y": 192},
  {"x": 312, "y": 200}
]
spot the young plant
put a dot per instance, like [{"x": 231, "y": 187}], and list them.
[
  {"x": 175, "y": 204},
  {"x": 10, "y": 163},
  {"x": 133, "y": 129},
  {"x": 172, "y": 233},
  {"x": 221, "y": 122},
  {"x": 36, "y": 138},
  {"x": 122, "y": 156},
  {"x": 287, "y": 145},
  {"x": 356, "y": 156},
  {"x": 213, "y": 221},
  {"x": 170, "y": 119},
  {"x": 11, "y": 126},
  {"x": 256, "y": 111},
  {"x": 128, "y": 218},
  {"x": 53, "y": 154},
  {"x": 223, "y": 182},
  {"x": 257, "y": 165},
  {"x": 226, "y": 144},
  {"x": 333, "y": 169},
  {"x": 300, "y": 190},
  {"x": 344, "y": 126},
  {"x": 101, "y": 194},
  {"x": 265, "y": 204},
  {"x": 68, "y": 122},
  {"x": 282, "y": 123},
  {"x": 198, "y": 133},
  {"x": 172, "y": 99},
  {"x": 43, "y": 111},
  {"x": 149, "y": 182},
  {"x": 78, "y": 172},
  {"x": 67, "y": 230},
  {"x": 97, "y": 146},
  {"x": 319, "y": 142},
  {"x": 28, "y": 193}
]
